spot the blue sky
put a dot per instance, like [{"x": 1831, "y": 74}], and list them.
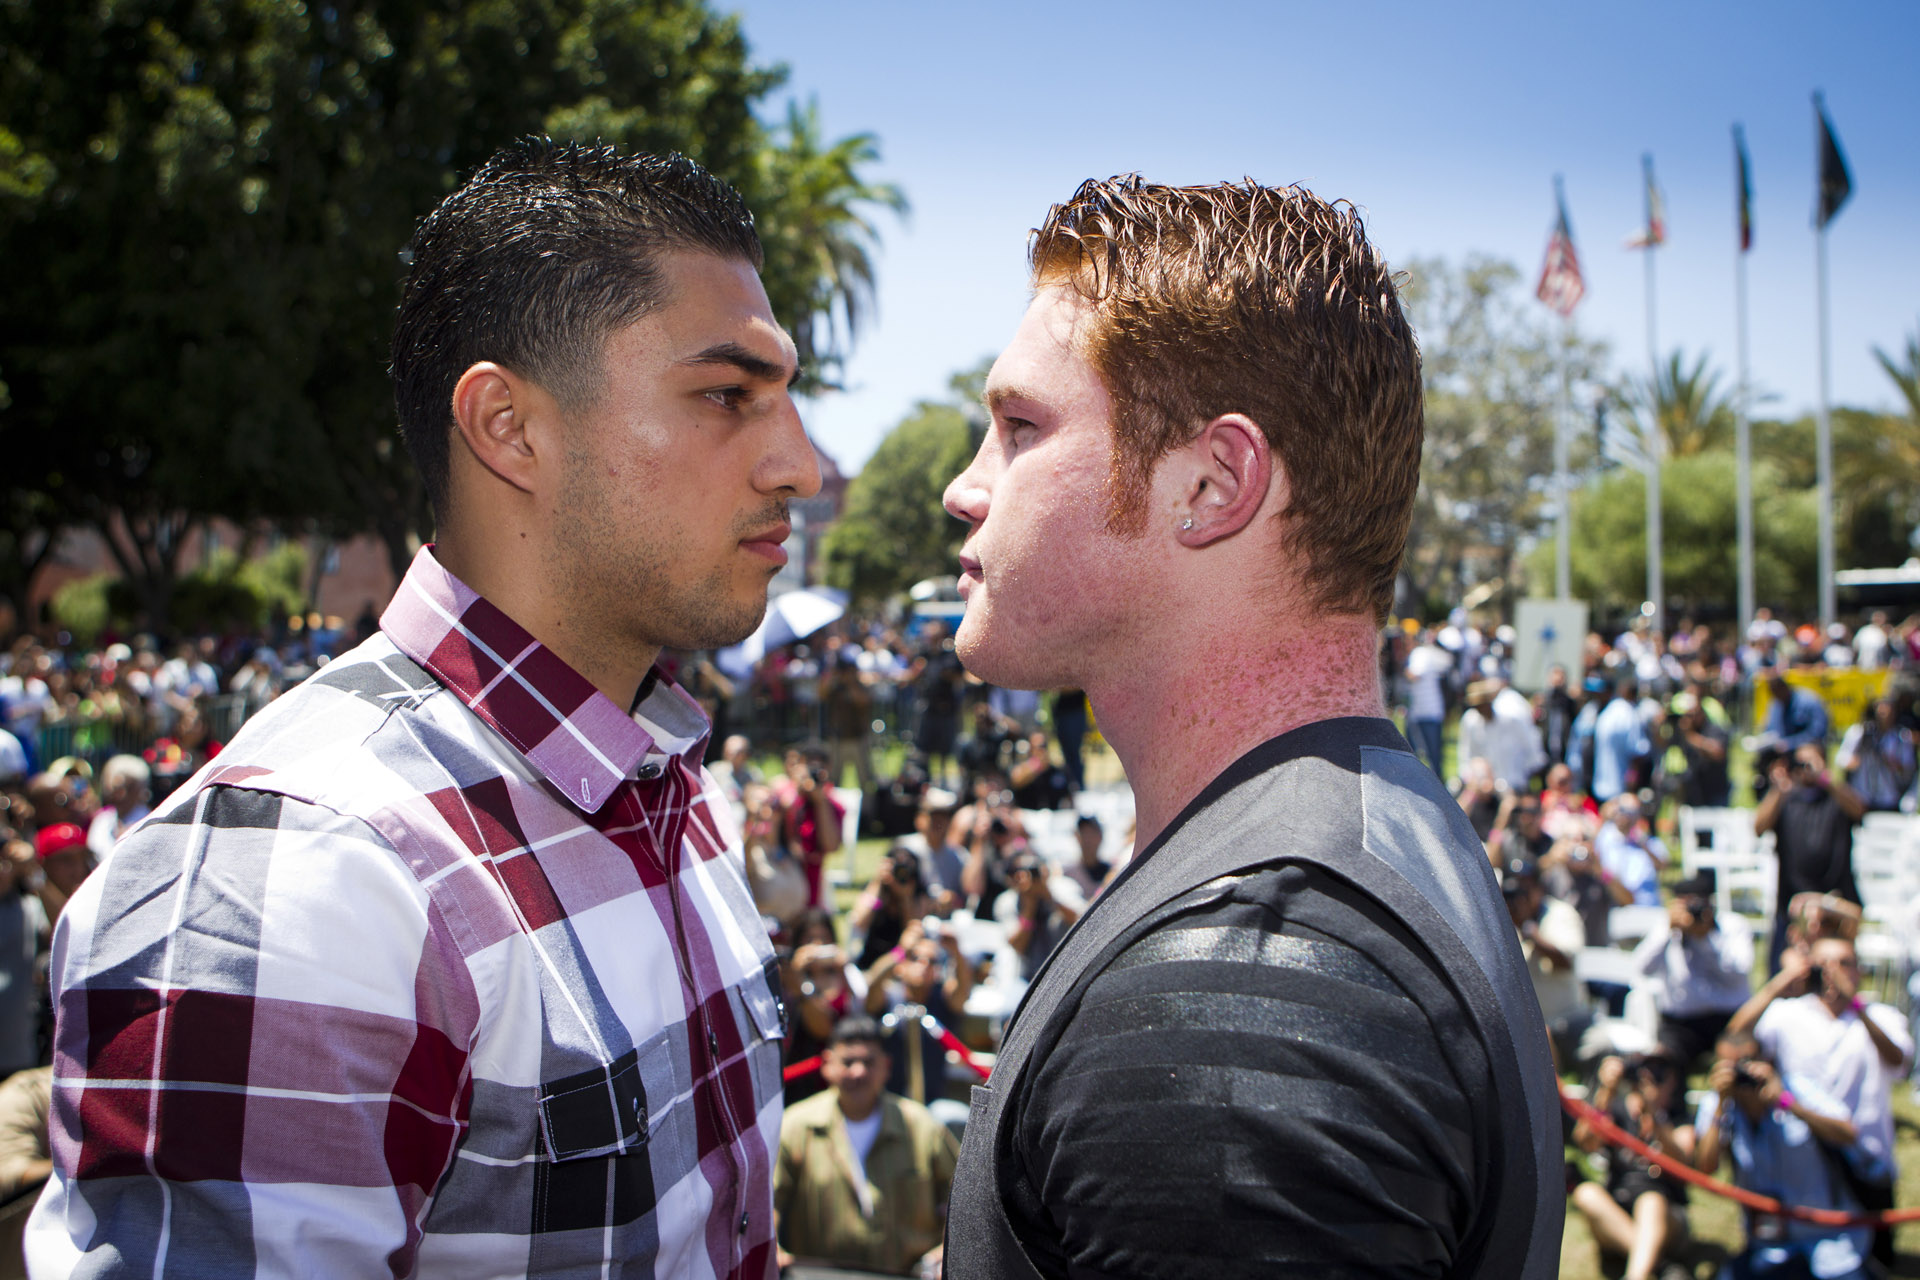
[{"x": 1445, "y": 124}]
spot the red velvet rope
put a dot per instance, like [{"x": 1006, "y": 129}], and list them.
[
  {"x": 1613, "y": 1133},
  {"x": 807, "y": 1066}
]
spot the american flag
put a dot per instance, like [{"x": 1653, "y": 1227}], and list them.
[{"x": 1561, "y": 284}]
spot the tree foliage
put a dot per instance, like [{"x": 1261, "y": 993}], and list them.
[
  {"x": 210, "y": 197},
  {"x": 894, "y": 531},
  {"x": 1492, "y": 368}
]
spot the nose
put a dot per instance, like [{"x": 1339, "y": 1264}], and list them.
[
  {"x": 791, "y": 464},
  {"x": 969, "y": 494}
]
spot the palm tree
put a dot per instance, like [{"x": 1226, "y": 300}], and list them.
[
  {"x": 1876, "y": 457},
  {"x": 1693, "y": 414},
  {"x": 818, "y": 239}
]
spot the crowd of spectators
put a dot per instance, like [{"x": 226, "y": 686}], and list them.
[
  {"x": 1575, "y": 789},
  {"x": 1572, "y": 788}
]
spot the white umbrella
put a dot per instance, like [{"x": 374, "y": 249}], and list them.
[{"x": 792, "y": 615}]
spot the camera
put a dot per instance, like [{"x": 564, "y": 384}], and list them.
[
  {"x": 1816, "y": 981},
  {"x": 1651, "y": 1069},
  {"x": 1697, "y": 905},
  {"x": 905, "y": 868},
  {"x": 1746, "y": 1075}
]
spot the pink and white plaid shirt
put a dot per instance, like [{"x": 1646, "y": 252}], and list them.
[{"x": 446, "y": 967}]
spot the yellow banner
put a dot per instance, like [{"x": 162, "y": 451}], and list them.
[{"x": 1848, "y": 692}]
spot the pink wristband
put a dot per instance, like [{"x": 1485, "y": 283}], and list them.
[
  {"x": 1858, "y": 1007},
  {"x": 1786, "y": 1101}
]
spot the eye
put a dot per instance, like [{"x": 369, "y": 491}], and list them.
[
  {"x": 1019, "y": 431},
  {"x": 729, "y": 398}
]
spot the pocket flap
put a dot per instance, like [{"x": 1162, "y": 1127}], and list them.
[{"x": 598, "y": 1112}]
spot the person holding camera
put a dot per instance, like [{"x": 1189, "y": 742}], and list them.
[
  {"x": 1035, "y": 919},
  {"x": 1703, "y": 965},
  {"x": 927, "y": 969},
  {"x": 896, "y": 897},
  {"x": 1811, "y": 1020},
  {"x": 1641, "y": 1212},
  {"x": 809, "y": 815},
  {"x": 1812, "y": 815},
  {"x": 1783, "y": 1135},
  {"x": 1551, "y": 934}
]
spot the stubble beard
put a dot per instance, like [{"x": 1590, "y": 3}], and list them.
[{"x": 629, "y": 591}]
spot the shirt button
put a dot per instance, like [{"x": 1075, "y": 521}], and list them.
[
  {"x": 743, "y": 1224},
  {"x": 713, "y": 1042},
  {"x": 649, "y": 771}
]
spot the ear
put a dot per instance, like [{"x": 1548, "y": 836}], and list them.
[
  {"x": 1228, "y": 472},
  {"x": 493, "y": 409}
]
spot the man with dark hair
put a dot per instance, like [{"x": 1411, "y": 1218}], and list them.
[
  {"x": 863, "y": 1174},
  {"x": 1192, "y": 502},
  {"x": 450, "y": 967}
]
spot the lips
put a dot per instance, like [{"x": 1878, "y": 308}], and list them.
[
  {"x": 767, "y": 543},
  {"x": 969, "y": 575}
]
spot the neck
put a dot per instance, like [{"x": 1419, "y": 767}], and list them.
[
  {"x": 515, "y": 582},
  {"x": 857, "y": 1114},
  {"x": 1178, "y": 713}
]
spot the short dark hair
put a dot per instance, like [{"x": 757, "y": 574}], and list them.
[
  {"x": 547, "y": 249},
  {"x": 1239, "y": 298},
  {"x": 856, "y": 1028}
]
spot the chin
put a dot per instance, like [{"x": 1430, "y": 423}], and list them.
[{"x": 1004, "y": 661}]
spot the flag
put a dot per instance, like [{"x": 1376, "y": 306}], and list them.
[
  {"x": 1561, "y": 285},
  {"x": 1655, "y": 234},
  {"x": 1743, "y": 194},
  {"x": 1836, "y": 184}
]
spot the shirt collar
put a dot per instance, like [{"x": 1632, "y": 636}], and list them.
[{"x": 566, "y": 728}]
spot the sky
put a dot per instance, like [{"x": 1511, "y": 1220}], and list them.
[{"x": 1445, "y": 124}]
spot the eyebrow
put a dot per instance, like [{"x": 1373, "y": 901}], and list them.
[
  {"x": 995, "y": 398},
  {"x": 759, "y": 368}
]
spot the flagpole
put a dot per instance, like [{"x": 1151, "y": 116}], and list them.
[
  {"x": 1563, "y": 537},
  {"x": 1656, "y": 594},
  {"x": 1743, "y": 441},
  {"x": 1823, "y": 436},
  {"x": 1742, "y": 428}
]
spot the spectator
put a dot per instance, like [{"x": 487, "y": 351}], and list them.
[
  {"x": 13, "y": 759},
  {"x": 809, "y": 815},
  {"x": 884, "y": 1210},
  {"x": 1630, "y": 853},
  {"x": 1696, "y": 758},
  {"x": 939, "y": 680},
  {"x": 1572, "y": 873},
  {"x": 24, "y": 928},
  {"x": 1035, "y": 919},
  {"x": 735, "y": 770},
  {"x": 1518, "y": 832},
  {"x": 1071, "y": 718},
  {"x": 1702, "y": 966},
  {"x": 123, "y": 795},
  {"x": 846, "y": 702},
  {"x": 26, "y": 1157},
  {"x": 1037, "y": 782},
  {"x": 815, "y": 983},
  {"x": 943, "y": 861},
  {"x": 1619, "y": 738},
  {"x": 927, "y": 970},
  {"x": 1795, "y": 717},
  {"x": 65, "y": 864},
  {"x": 1557, "y": 710},
  {"x": 896, "y": 897},
  {"x": 1480, "y": 796},
  {"x": 1089, "y": 874},
  {"x": 982, "y": 753},
  {"x": 994, "y": 835},
  {"x": 1813, "y": 1024},
  {"x": 1873, "y": 642},
  {"x": 1427, "y": 669},
  {"x": 1811, "y": 814},
  {"x": 1550, "y": 936},
  {"x": 1475, "y": 740},
  {"x": 1779, "y": 1129},
  {"x": 1641, "y": 1212},
  {"x": 1877, "y": 758},
  {"x": 1514, "y": 747}
]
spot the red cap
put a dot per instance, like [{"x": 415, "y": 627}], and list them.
[{"x": 60, "y": 835}]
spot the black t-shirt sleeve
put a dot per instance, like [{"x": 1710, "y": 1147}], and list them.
[{"x": 1276, "y": 1084}]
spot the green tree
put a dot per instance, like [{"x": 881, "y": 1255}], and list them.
[
  {"x": 213, "y": 196},
  {"x": 1492, "y": 368},
  {"x": 893, "y": 531},
  {"x": 1693, "y": 414},
  {"x": 1698, "y": 542}
]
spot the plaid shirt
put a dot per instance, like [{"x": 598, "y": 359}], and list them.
[{"x": 445, "y": 967}]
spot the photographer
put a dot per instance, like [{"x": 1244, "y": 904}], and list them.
[
  {"x": 1811, "y": 1021},
  {"x": 929, "y": 970},
  {"x": 1550, "y": 936},
  {"x": 1812, "y": 815},
  {"x": 814, "y": 978},
  {"x": 1035, "y": 920},
  {"x": 1641, "y": 1212},
  {"x": 896, "y": 897},
  {"x": 1877, "y": 756},
  {"x": 809, "y": 815},
  {"x": 1703, "y": 965},
  {"x": 1783, "y": 1135},
  {"x": 994, "y": 833}
]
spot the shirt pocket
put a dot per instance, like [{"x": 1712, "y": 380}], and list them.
[{"x": 604, "y": 1110}]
